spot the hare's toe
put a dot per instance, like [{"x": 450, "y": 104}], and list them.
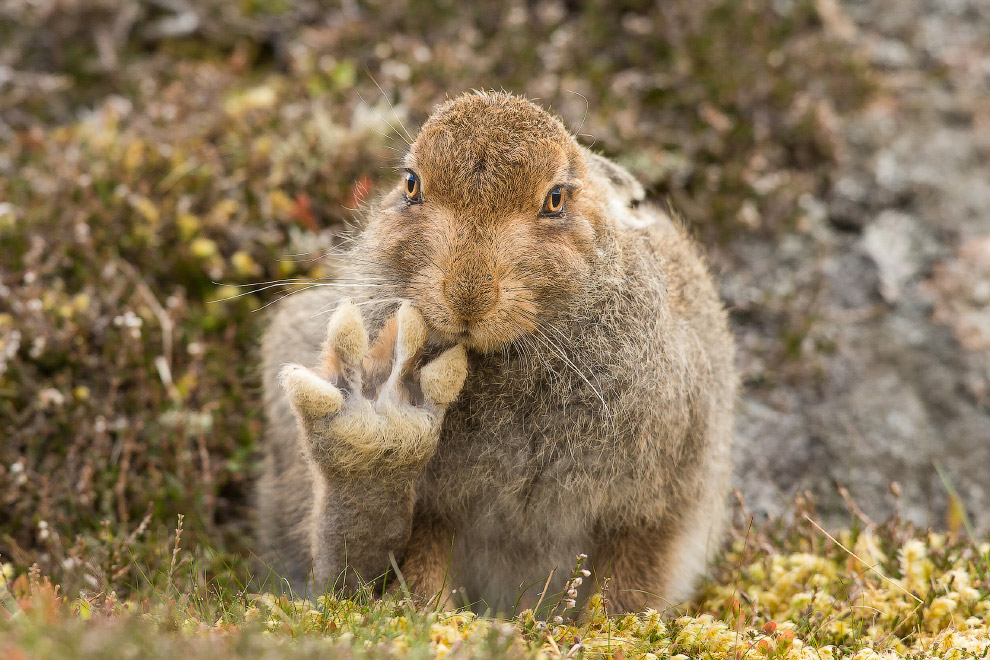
[
  {"x": 410, "y": 335},
  {"x": 311, "y": 396},
  {"x": 346, "y": 343},
  {"x": 443, "y": 378}
]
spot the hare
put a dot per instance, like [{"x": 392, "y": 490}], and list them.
[{"x": 530, "y": 363}]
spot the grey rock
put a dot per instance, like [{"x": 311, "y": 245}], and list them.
[{"x": 865, "y": 342}]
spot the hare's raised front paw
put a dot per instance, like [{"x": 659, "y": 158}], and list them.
[{"x": 373, "y": 409}]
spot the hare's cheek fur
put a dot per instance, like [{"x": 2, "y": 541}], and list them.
[{"x": 485, "y": 284}]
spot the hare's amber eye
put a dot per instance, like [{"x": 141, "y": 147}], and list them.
[
  {"x": 554, "y": 203},
  {"x": 412, "y": 188}
]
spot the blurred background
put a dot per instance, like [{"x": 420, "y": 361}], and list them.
[{"x": 159, "y": 155}]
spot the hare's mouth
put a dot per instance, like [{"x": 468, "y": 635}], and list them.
[
  {"x": 475, "y": 336},
  {"x": 467, "y": 334},
  {"x": 483, "y": 333}
]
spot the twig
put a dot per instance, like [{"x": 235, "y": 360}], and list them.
[
  {"x": 851, "y": 504},
  {"x": 175, "y": 551},
  {"x": 164, "y": 363},
  {"x": 860, "y": 559}
]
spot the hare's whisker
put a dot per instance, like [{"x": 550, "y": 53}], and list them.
[
  {"x": 378, "y": 114},
  {"x": 394, "y": 113}
]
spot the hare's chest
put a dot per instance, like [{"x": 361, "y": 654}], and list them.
[
  {"x": 509, "y": 486},
  {"x": 515, "y": 522},
  {"x": 518, "y": 456}
]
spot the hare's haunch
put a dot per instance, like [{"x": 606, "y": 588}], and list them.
[{"x": 559, "y": 380}]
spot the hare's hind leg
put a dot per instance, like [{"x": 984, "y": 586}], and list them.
[
  {"x": 284, "y": 563},
  {"x": 427, "y": 568},
  {"x": 658, "y": 566}
]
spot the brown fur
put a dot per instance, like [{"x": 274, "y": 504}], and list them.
[
  {"x": 596, "y": 415},
  {"x": 427, "y": 561}
]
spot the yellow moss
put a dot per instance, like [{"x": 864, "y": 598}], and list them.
[
  {"x": 868, "y": 549},
  {"x": 281, "y": 205},
  {"x": 223, "y": 211},
  {"x": 203, "y": 248},
  {"x": 146, "y": 208},
  {"x": 80, "y": 302},
  {"x": 244, "y": 264},
  {"x": 133, "y": 155},
  {"x": 256, "y": 98},
  {"x": 261, "y": 146},
  {"x": 7, "y": 216},
  {"x": 188, "y": 225},
  {"x": 915, "y": 566}
]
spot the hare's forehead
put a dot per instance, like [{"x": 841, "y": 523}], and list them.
[{"x": 501, "y": 162}]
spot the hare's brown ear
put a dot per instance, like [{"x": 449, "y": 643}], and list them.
[{"x": 625, "y": 184}]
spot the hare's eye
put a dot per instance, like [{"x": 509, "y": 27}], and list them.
[
  {"x": 553, "y": 205},
  {"x": 412, "y": 188}
]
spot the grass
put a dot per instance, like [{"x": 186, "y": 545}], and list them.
[
  {"x": 779, "y": 591},
  {"x": 149, "y": 177}
]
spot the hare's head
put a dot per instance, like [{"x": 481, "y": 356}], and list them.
[{"x": 491, "y": 228}]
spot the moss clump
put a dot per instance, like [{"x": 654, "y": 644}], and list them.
[{"x": 779, "y": 592}]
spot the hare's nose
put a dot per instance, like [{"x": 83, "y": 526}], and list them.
[{"x": 471, "y": 292}]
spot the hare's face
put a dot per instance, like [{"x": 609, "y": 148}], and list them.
[{"x": 490, "y": 228}]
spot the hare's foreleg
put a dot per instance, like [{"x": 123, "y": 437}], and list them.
[{"x": 367, "y": 427}]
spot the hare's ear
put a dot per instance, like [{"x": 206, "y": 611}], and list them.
[{"x": 630, "y": 190}]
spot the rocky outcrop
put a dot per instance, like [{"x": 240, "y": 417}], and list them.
[{"x": 876, "y": 312}]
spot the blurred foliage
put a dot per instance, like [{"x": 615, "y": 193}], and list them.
[{"x": 156, "y": 155}]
